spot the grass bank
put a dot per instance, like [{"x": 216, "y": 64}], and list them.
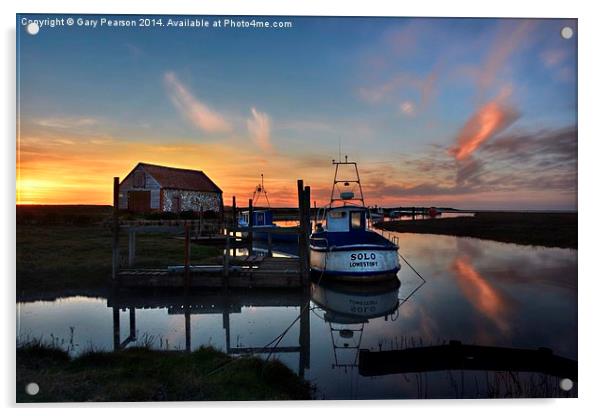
[
  {"x": 53, "y": 257},
  {"x": 140, "y": 374},
  {"x": 539, "y": 229}
]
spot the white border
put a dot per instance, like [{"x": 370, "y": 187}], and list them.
[{"x": 590, "y": 71}]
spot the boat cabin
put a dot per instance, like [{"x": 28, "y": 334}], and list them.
[
  {"x": 346, "y": 219},
  {"x": 260, "y": 218}
]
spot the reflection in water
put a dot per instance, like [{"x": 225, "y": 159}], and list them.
[
  {"x": 347, "y": 308},
  {"x": 485, "y": 298},
  {"x": 480, "y": 293}
]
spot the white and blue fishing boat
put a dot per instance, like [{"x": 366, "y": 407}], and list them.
[
  {"x": 343, "y": 246},
  {"x": 263, "y": 219}
]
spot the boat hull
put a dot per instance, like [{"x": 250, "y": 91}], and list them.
[{"x": 356, "y": 263}]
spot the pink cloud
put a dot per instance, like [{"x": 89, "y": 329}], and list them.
[
  {"x": 489, "y": 119},
  {"x": 197, "y": 112}
]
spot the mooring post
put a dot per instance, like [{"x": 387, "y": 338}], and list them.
[
  {"x": 132, "y": 323},
  {"x": 187, "y": 255},
  {"x": 115, "y": 228},
  {"x": 131, "y": 248},
  {"x": 234, "y": 222},
  {"x": 307, "y": 231},
  {"x": 226, "y": 271},
  {"x": 251, "y": 225},
  {"x": 116, "y": 329},
  {"x": 270, "y": 254},
  {"x": 304, "y": 339},
  {"x": 413, "y": 213},
  {"x": 201, "y": 220},
  {"x": 303, "y": 240},
  {"x": 187, "y": 324}
]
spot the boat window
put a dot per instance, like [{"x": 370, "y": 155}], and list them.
[
  {"x": 356, "y": 220},
  {"x": 337, "y": 214}
]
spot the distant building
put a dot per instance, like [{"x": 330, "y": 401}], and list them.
[{"x": 160, "y": 188}]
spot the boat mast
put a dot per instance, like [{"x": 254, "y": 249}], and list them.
[
  {"x": 346, "y": 182},
  {"x": 260, "y": 190}
]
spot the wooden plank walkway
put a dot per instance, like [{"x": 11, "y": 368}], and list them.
[{"x": 252, "y": 272}]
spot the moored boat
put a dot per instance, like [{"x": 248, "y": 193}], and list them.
[
  {"x": 342, "y": 246},
  {"x": 263, "y": 220}
]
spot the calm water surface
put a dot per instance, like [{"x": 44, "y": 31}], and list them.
[{"x": 476, "y": 292}]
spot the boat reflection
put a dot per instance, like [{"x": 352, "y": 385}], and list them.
[{"x": 348, "y": 307}]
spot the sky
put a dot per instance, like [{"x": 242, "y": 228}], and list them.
[{"x": 464, "y": 113}]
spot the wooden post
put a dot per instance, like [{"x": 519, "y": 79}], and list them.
[
  {"x": 201, "y": 220},
  {"x": 187, "y": 324},
  {"x": 234, "y": 219},
  {"x": 251, "y": 225},
  {"x": 187, "y": 255},
  {"x": 132, "y": 324},
  {"x": 270, "y": 254},
  {"x": 226, "y": 271},
  {"x": 303, "y": 240},
  {"x": 115, "y": 228},
  {"x": 413, "y": 213},
  {"x": 307, "y": 231},
  {"x": 304, "y": 339},
  {"x": 131, "y": 248},
  {"x": 116, "y": 329}
]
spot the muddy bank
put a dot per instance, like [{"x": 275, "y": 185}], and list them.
[{"x": 538, "y": 229}]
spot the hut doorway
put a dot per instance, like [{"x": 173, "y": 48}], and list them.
[{"x": 139, "y": 201}]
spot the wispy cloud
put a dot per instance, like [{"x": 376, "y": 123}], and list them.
[
  {"x": 65, "y": 123},
  {"x": 408, "y": 108},
  {"x": 486, "y": 122},
  {"x": 510, "y": 37},
  {"x": 553, "y": 57},
  {"x": 259, "y": 127},
  {"x": 196, "y": 111}
]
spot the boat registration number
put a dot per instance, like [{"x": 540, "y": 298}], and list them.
[{"x": 363, "y": 260}]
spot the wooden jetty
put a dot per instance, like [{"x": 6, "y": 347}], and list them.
[
  {"x": 220, "y": 303},
  {"x": 249, "y": 271}
]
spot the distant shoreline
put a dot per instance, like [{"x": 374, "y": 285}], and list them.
[{"x": 526, "y": 228}]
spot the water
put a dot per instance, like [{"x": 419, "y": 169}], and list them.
[{"x": 477, "y": 292}]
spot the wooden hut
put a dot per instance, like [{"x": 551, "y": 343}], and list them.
[{"x": 150, "y": 188}]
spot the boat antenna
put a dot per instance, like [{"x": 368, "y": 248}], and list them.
[
  {"x": 260, "y": 190},
  {"x": 339, "y": 148}
]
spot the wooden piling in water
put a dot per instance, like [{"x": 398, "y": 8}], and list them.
[
  {"x": 303, "y": 201},
  {"x": 251, "y": 225},
  {"x": 234, "y": 219},
  {"x": 116, "y": 329},
  {"x": 131, "y": 248},
  {"x": 187, "y": 255},
  {"x": 115, "y": 267}
]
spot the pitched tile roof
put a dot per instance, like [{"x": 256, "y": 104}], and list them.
[{"x": 175, "y": 178}]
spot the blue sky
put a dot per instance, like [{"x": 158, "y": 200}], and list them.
[{"x": 437, "y": 111}]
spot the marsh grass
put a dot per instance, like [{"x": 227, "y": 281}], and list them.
[
  {"x": 141, "y": 374},
  {"x": 71, "y": 257}
]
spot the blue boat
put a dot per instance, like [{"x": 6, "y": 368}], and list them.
[
  {"x": 343, "y": 246},
  {"x": 263, "y": 219}
]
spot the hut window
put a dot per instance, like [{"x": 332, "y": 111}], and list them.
[{"x": 139, "y": 180}]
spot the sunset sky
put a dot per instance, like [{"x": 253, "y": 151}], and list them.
[{"x": 468, "y": 113}]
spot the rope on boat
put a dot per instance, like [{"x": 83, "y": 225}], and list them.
[{"x": 411, "y": 267}]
